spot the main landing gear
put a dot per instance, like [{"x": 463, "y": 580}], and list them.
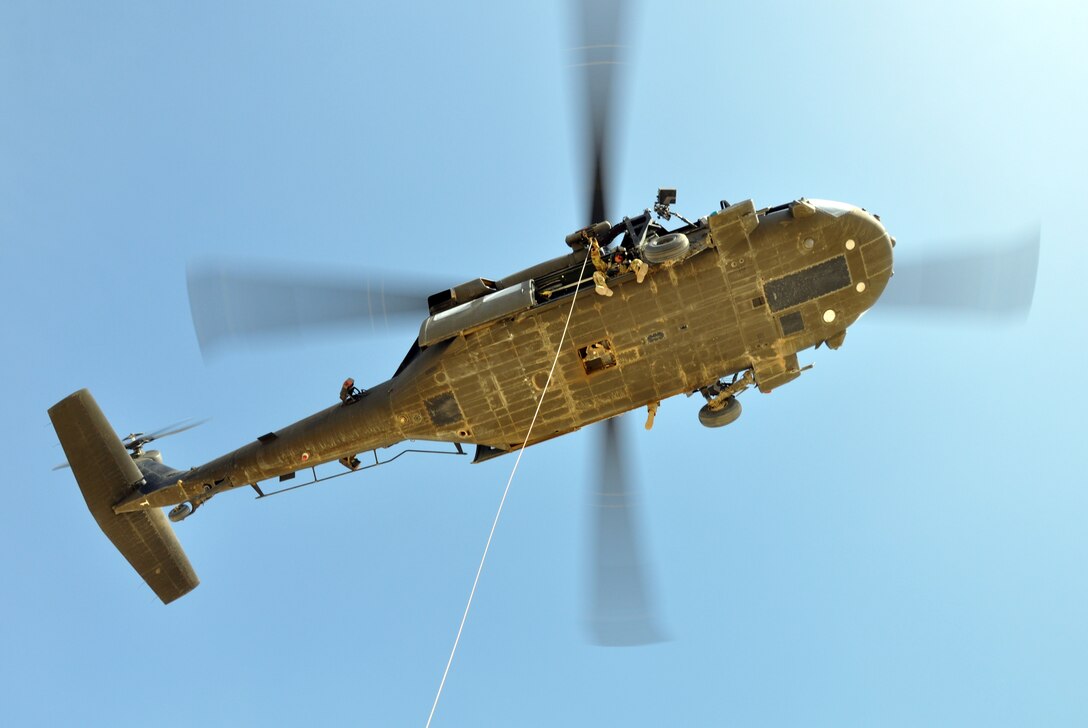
[
  {"x": 180, "y": 512},
  {"x": 722, "y": 407},
  {"x": 728, "y": 413}
]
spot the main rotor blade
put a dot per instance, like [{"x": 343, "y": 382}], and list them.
[
  {"x": 996, "y": 284},
  {"x": 621, "y": 607},
  {"x": 598, "y": 55},
  {"x": 234, "y": 306}
]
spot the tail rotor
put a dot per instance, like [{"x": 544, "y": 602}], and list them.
[{"x": 134, "y": 441}]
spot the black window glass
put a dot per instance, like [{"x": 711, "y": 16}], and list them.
[
  {"x": 810, "y": 283},
  {"x": 792, "y": 323}
]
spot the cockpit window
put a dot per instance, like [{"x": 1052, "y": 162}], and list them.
[
  {"x": 807, "y": 284},
  {"x": 833, "y": 208}
]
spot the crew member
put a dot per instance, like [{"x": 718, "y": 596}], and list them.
[
  {"x": 600, "y": 275},
  {"x": 620, "y": 259}
]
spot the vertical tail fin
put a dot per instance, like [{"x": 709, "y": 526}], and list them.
[{"x": 106, "y": 474}]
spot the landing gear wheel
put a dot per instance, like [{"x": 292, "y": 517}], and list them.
[
  {"x": 720, "y": 418},
  {"x": 180, "y": 512},
  {"x": 665, "y": 248}
]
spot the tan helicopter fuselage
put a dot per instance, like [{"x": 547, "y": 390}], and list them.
[{"x": 753, "y": 289}]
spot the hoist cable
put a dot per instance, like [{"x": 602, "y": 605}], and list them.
[{"x": 502, "y": 501}]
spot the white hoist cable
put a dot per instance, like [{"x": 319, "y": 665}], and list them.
[{"x": 502, "y": 501}]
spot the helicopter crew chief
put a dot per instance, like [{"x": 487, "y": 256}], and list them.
[
  {"x": 600, "y": 285},
  {"x": 600, "y": 282},
  {"x": 636, "y": 265},
  {"x": 619, "y": 263}
]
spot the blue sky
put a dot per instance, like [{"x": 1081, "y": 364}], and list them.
[{"x": 896, "y": 538}]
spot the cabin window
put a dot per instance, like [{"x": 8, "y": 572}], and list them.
[
  {"x": 805, "y": 285},
  {"x": 792, "y": 323},
  {"x": 444, "y": 410},
  {"x": 597, "y": 356}
]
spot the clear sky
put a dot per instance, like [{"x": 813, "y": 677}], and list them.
[{"x": 897, "y": 538}]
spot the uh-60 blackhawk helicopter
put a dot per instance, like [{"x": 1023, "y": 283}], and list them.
[{"x": 632, "y": 314}]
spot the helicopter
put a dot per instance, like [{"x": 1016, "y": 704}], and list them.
[{"x": 632, "y": 313}]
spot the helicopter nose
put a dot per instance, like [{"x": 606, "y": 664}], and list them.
[
  {"x": 867, "y": 248},
  {"x": 875, "y": 246},
  {"x": 867, "y": 244}
]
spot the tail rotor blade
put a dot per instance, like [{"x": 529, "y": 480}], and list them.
[
  {"x": 234, "y": 306},
  {"x": 173, "y": 429},
  {"x": 135, "y": 440},
  {"x": 621, "y": 605},
  {"x": 998, "y": 284}
]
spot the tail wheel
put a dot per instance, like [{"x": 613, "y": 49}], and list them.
[{"x": 720, "y": 417}]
